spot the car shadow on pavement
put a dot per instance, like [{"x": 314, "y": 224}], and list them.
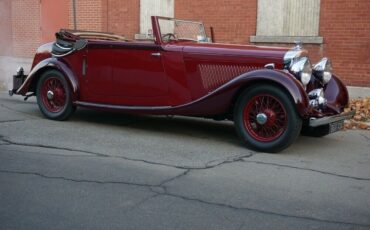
[
  {"x": 176, "y": 125},
  {"x": 202, "y": 128}
]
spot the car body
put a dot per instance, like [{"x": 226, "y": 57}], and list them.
[{"x": 271, "y": 93}]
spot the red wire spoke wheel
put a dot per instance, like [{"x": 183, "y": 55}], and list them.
[
  {"x": 265, "y": 118},
  {"x": 54, "y": 96}
]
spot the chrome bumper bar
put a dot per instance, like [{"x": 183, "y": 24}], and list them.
[{"x": 314, "y": 122}]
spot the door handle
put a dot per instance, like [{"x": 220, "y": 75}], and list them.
[{"x": 156, "y": 54}]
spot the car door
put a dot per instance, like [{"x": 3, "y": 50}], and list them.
[
  {"x": 98, "y": 72},
  {"x": 138, "y": 75}
]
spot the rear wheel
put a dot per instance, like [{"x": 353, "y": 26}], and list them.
[
  {"x": 266, "y": 119},
  {"x": 54, "y": 96}
]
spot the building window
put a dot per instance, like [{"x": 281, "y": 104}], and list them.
[
  {"x": 150, "y": 8},
  {"x": 286, "y": 21}
]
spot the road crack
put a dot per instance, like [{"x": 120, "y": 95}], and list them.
[
  {"x": 76, "y": 180},
  {"x": 366, "y": 137},
  {"x": 174, "y": 178},
  {"x": 164, "y": 192},
  {"x": 235, "y": 208},
  {"x": 306, "y": 169},
  {"x": 207, "y": 165},
  {"x": 2, "y": 138},
  {"x": 10, "y": 121},
  {"x": 143, "y": 201}
]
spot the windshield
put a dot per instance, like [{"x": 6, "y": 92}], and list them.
[{"x": 173, "y": 29}]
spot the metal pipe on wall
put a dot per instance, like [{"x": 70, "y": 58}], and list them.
[{"x": 74, "y": 15}]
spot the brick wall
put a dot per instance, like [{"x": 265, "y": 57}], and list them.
[
  {"x": 123, "y": 17},
  {"x": 89, "y": 15},
  {"x": 115, "y": 16},
  {"x": 26, "y": 32},
  {"x": 345, "y": 26},
  {"x": 233, "y": 21},
  {"x": 5, "y": 27}
]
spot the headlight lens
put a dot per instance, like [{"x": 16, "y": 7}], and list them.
[
  {"x": 323, "y": 70},
  {"x": 302, "y": 70}
]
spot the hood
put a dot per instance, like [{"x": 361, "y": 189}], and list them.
[{"x": 271, "y": 54}]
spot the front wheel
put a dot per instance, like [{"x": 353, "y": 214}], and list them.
[
  {"x": 266, "y": 119},
  {"x": 54, "y": 96}
]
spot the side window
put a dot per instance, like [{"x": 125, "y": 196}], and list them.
[{"x": 284, "y": 21}]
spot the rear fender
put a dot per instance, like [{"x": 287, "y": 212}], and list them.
[{"x": 46, "y": 64}]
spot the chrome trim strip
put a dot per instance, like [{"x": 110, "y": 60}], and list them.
[
  {"x": 119, "y": 107},
  {"x": 270, "y": 66},
  {"x": 84, "y": 66},
  {"x": 62, "y": 55},
  {"x": 314, "y": 122},
  {"x": 63, "y": 48}
]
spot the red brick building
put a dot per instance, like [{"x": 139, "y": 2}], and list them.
[{"x": 339, "y": 29}]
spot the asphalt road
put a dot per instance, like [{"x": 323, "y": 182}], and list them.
[{"x": 102, "y": 170}]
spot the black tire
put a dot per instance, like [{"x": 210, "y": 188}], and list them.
[
  {"x": 251, "y": 135},
  {"x": 51, "y": 108},
  {"x": 319, "y": 131}
]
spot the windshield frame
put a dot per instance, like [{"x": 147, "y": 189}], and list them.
[{"x": 202, "y": 30}]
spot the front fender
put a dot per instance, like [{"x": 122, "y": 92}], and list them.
[
  {"x": 285, "y": 80},
  {"x": 50, "y": 63},
  {"x": 220, "y": 100},
  {"x": 337, "y": 94}
]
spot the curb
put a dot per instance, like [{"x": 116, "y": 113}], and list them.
[{"x": 358, "y": 92}]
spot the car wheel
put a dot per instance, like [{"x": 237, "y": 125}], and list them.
[
  {"x": 54, "y": 96},
  {"x": 266, "y": 119},
  {"x": 319, "y": 131}
]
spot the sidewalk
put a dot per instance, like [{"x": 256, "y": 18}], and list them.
[{"x": 356, "y": 92}]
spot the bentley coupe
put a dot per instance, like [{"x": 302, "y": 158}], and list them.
[{"x": 271, "y": 94}]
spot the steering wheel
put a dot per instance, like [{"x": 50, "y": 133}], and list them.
[{"x": 167, "y": 37}]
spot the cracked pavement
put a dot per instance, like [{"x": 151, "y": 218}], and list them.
[{"x": 102, "y": 170}]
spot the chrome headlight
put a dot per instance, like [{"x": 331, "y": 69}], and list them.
[
  {"x": 301, "y": 68},
  {"x": 323, "y": 70},
  {"x": 317, "y": 98}
]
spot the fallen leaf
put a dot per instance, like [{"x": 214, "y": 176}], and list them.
[{"x": 362, "y": 117}]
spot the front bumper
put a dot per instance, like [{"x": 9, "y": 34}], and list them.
[{"x": 315, "y": 122}]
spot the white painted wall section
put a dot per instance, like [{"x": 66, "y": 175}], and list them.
[{"x": 150, "y": 8}]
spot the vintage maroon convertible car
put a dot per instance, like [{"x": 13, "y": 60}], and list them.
[{"x": 271, "y": 94}]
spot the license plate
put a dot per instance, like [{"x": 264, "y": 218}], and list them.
[{"x": 336, "y": 126}]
